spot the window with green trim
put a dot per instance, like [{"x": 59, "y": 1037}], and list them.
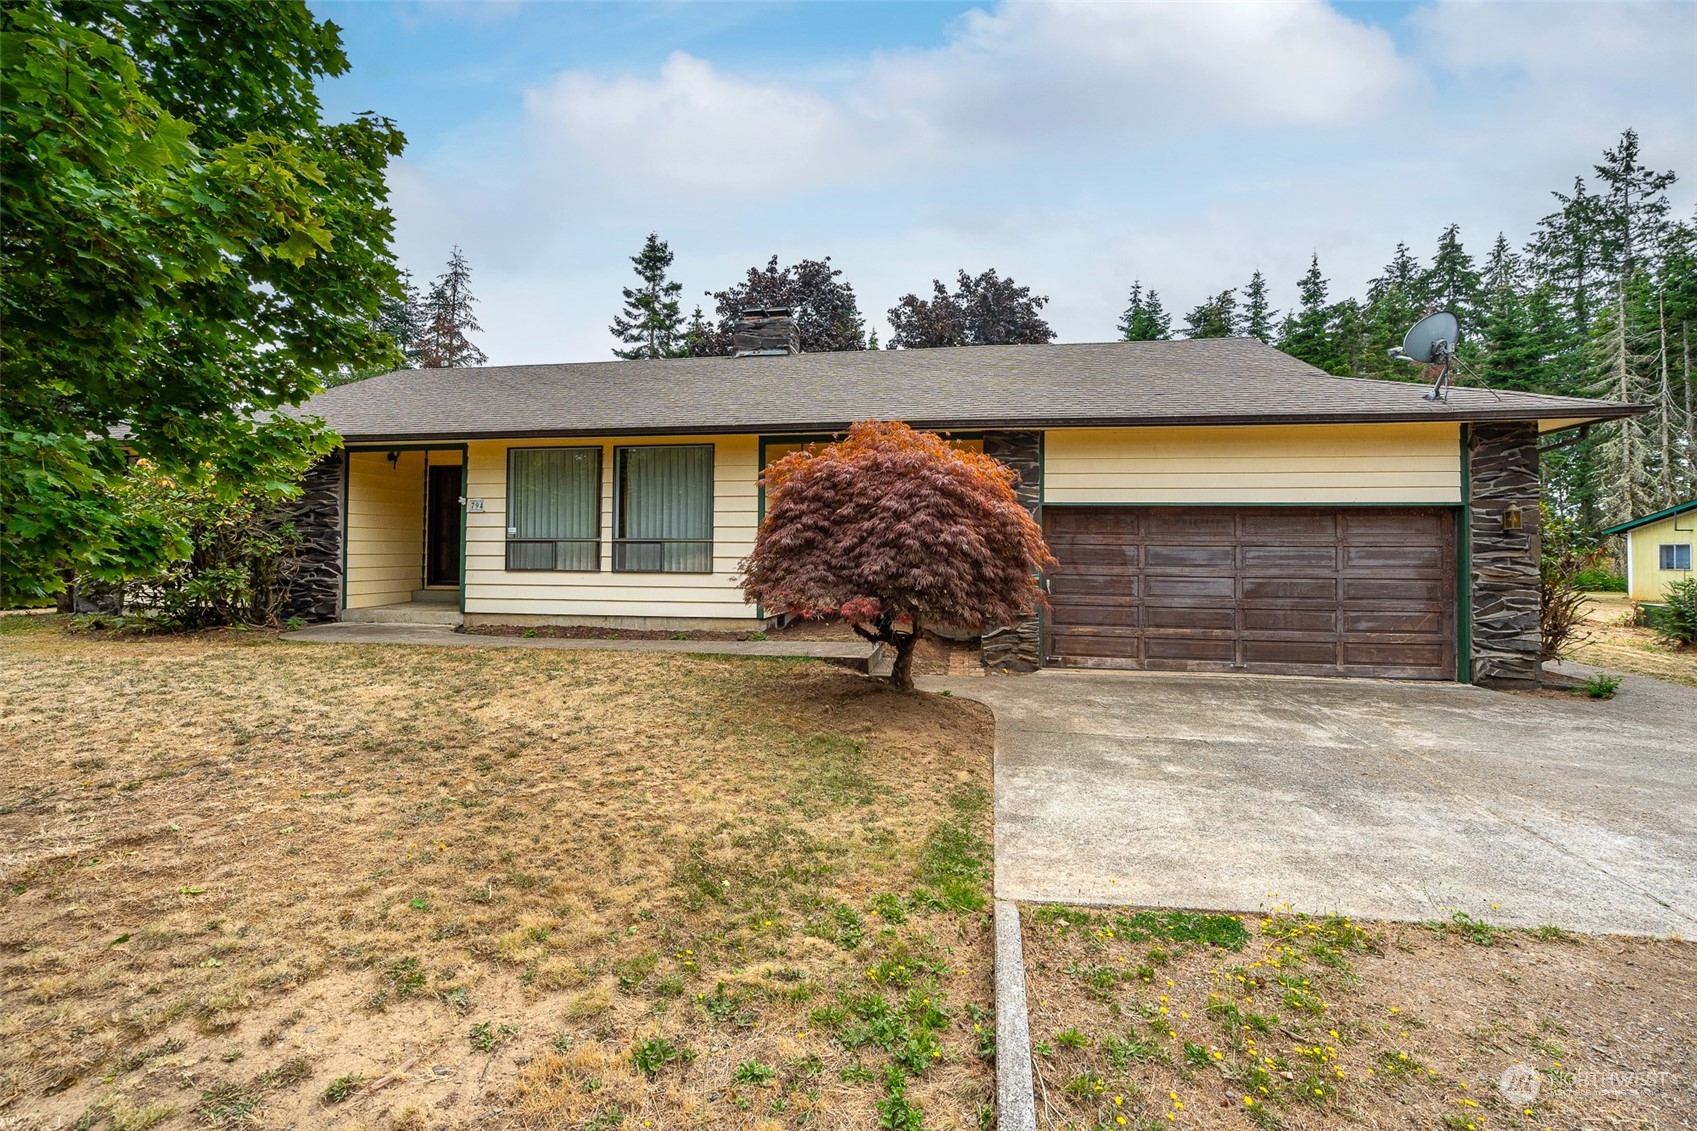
[
  {"x": 554, "y": 509},
  {"x": 664, "y": 507}
]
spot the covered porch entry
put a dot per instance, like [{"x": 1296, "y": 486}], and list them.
[{"x": 404, "y": 536}]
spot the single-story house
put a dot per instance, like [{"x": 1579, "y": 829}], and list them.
[
  {"x": 1215, "y": 504},
  {"x": 1659, "y": 550}
]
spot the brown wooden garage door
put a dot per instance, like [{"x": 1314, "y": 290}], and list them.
[{"x": 1291, "y": 590}]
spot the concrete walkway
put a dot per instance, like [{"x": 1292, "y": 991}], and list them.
[
  {"x": 854, "y": 651},
  {"x": 1368, "y": 798}
]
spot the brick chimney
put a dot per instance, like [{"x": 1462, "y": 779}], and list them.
[{"x": 766, "y": 332}]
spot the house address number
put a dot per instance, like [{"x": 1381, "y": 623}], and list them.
[{"x": 474, "y": 505}]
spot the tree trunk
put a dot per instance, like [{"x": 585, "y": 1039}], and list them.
[{"x": 901, "y": 672}]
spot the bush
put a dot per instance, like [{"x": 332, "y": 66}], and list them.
[
  {"x": 233, "y": 552},
  {"x": 1568, "y": 554},
  {"x": 1600, "y": 579},
  {"x": 1675, "y": 619}
]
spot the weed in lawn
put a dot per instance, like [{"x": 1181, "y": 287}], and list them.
[
  {"x": 342, "y": 1088},
  {"x": 227, "y": 1105},
  {"x": 1476, "y": 931},
  {"x": 1072, "y": 1039},
  {"x": 1602, "y": 685},
  {"x": 652, "y": 1055},
  {"x": 122, "y": 1117},
  {"x": 486, "y": 1035},
  {"x": 285, "y": 1075},
  {"x": 755, "y": 1073}
]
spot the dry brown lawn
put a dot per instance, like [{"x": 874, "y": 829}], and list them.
[
  {"x": 1171, "y": 1019},
  {"x": 246, "y": 881},
  {"x": 1612, "y": 642}
]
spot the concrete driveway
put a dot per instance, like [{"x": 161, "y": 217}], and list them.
[{"x": 1367, "y": 798}]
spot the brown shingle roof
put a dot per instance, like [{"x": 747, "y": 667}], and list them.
[{"x": 1209, "y": 381}]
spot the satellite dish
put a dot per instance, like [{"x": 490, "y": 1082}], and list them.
[{"x": 1432, "y": 341}]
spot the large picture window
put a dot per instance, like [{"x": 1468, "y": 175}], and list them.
[
  {"x": 665, "y": 509},
  {"x": 554, "y": 509}
]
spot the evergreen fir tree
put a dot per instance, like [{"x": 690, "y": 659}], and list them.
[
  {"x": 1452, "y": 283},
  {"x": 1393, "y": 305},
  {"x": 651, "y": 324},
  {"x": 1144, "y": 319},
  {"x": 402, "y": 318},
  {"x": 699, "y": 339},
  {"x": 1213, "y": 318},
  {"x": 1260, "y": 320},
  {"x": 448, "y": 318},
  {"x": 1307, "y": 331}
]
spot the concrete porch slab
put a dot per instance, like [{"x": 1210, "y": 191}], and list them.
[{"x": 407, "y": 612}]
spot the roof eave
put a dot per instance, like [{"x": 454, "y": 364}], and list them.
[
  {"x": 1593, "y": 414},
  {"x": 1634, "y": 524}
]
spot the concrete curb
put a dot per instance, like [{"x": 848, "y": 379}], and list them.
[{"x": 1016, "y": 1104}]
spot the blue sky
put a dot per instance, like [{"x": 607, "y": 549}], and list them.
[{"x": 1073, "y": 146}]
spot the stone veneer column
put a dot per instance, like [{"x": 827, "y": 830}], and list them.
[
  {"x": 316, "y": 593},
  {"x": 1503, "y": 475},
  {"x": 1017, "y": 647}
]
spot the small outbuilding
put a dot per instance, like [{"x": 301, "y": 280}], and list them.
[{"x": 1659, "y": 550}]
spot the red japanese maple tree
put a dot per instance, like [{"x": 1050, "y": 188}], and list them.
[{"x": 891, "y": 529}]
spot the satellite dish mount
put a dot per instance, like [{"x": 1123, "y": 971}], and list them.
[{"x": 1432, "y": 341}]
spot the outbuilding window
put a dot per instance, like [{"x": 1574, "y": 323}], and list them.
[
  {"x": 664, "y": 505},
  {"x": 1674, "y": 556},
  {"x": 554, "y": 509}
]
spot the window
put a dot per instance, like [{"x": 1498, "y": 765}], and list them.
[
  {"x": 665, "y": 509},
  {"x": 554, "y": 509},
  {"x": 1676, "y": 556}
]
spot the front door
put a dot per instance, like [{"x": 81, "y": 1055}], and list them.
[{"x": 442, "y": 527}]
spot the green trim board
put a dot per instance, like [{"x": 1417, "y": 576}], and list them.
[
  {"x": 1634, "y": 524},
  {"x": 1464, "y": 569}
]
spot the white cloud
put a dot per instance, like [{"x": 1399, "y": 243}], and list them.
[{"x": 1028, "y": 75}]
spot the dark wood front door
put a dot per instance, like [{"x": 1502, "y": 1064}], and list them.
[
  {"x": 1288, "y": 590},
  {"x": 442, "y": 522}
]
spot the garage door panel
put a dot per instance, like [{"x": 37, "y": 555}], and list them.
[
  {"x": 1290, "y": 589},
  {"x": 1287, "y": 526},
  {"x": 1394, "y": 527},
  {"x": 1377, "y": 653},
  {"x": 1366, "y": 621},
  {"x": 1100, "y": 646},
  {"x": 1222, "y": 558},
  {"x": 1289, "y": 620},
  {"x": 1320, "y": 653},
  {"x": 1304, "y": 561},
  {"x": 1156, "y": 587},
  {"x": 1105, "y": 580},
  {"x": 1397, "y": 560},
  {"x": 1204, "y": 525},
  {"x": 1169, "y": 648},
  {"x": 1303, "y": 590},
  {"x": 1424, "y": 592},
  {"x": 1123, "y": 615},
  {"x": 1193, "y": 616}
]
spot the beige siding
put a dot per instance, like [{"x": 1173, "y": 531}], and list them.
[
  {"x": 385, "y": 527},
  {"x": 1645, "y": 580},
  {"x": 1255, "y": 464},
  {"x": 491, "y": 589}
]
